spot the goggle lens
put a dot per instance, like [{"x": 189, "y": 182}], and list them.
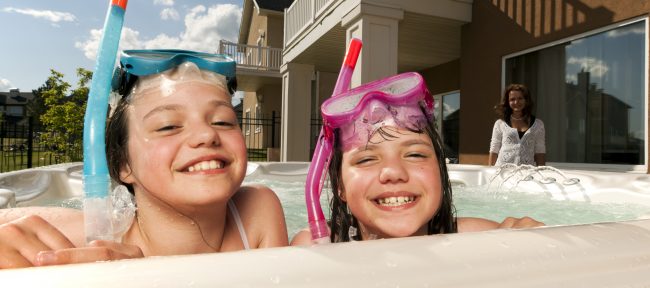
[{"x": 400, "y": 90}]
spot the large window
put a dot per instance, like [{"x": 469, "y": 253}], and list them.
[
  {"x": 447, "y": 114},
  {"x": 590, "y": 93}
]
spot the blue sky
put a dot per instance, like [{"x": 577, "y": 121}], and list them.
[{"x": 63, "y": 35}]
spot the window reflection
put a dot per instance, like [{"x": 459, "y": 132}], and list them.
[
  {"x": 447, "y": 114},
  {"x": 590, "y": 93}
]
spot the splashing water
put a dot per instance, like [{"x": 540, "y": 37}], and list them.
[{"x": 510, "y": 176}]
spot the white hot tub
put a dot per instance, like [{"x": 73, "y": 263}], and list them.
[{"x": 612, "y": 254}]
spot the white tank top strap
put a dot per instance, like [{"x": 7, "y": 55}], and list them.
[{"x": 240, "y": 226}]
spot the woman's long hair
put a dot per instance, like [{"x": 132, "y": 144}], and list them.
[{"x": 444, "y": 221}]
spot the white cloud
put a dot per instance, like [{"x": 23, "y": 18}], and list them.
[
  {"x": 448, "y": 109},
  {"x": 5, "y": 85},
  {"x": 164, "y": 2},
  {"x": 52, "y": 16},
  {"x": 204, "y": 27},
  {"x": 571, "y": 78},
  {"x": 622, "y": 32},
  {"x": 169, "y": 14},
  {"x": 237, "y": 98},
  {"x": 596, "y": 67},
  {"x": 128, "y": 40}
]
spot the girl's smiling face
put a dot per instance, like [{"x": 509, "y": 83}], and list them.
[
  {"x": 186, "y": 149},
  {"x": 392, "y": 186}
]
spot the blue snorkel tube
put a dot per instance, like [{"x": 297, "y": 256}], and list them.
[{"x": 98, "y": 214}]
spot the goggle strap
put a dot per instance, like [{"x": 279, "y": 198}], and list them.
[
  {"x": 122, "y": 81},
  {"x": 232, "y": 85}
]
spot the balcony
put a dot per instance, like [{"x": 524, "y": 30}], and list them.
[
  {"x": 429, "y": 31},
  {"x": 300, "y": 15},
  {"x": 256, "y": 65}
]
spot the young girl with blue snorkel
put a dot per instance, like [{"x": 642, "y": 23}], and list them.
[
  {"x": 172, "y": 140},
  {"x": 387, "y": 173}
]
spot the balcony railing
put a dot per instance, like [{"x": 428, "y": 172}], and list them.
[
  {"x": 251, "y": 56},
  {"x": 300, "y": 15}
]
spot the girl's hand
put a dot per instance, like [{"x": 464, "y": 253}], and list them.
[
  {"x": 32, "y": 241},
  {"x": 22, "y": 239},
  {"x": 517, "y": 223},
  {"x": 98, "y": 250}
]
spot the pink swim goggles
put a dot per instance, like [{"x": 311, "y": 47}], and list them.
[{"x": 402, "y": 100}]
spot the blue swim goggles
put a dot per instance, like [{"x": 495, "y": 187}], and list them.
[{"x": 134, "y": 63}]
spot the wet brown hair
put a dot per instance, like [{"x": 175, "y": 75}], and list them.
[{"x": 117, "y": 139}]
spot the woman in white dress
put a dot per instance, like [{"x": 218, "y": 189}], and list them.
[{"x": 518, "y": 137}]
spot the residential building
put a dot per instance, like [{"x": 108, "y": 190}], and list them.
[
  {"x": 584, "y": 60},
  {"x": 13, "y": 106},
  {"x": 258, "y": 53}
]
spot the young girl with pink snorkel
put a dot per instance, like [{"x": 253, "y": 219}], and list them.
[{"x": 386, "y": 169}]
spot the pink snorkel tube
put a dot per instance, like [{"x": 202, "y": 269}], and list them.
[{"x": 323, "y": 152}]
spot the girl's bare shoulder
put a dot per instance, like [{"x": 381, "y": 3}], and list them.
[{"x": 262, "y": 215}]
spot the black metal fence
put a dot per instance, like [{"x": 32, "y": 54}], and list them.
[
  {"x": 262, "y": 136},
  {"x": 21, "y": 144},
  {"x": 21, "y": 147}
]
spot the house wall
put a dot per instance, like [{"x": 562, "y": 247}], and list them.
[
  {"x": 275, "y": 31},
  {"x": 271, "y": 101},
  {"x": 443, "y": 78},
  {"x": 326, "y": 83},
  {"x": 500, "y": 28},
  {"x": 273, "y": 26},
  {"x": 271, "y": 94},
  {"x": 249, "y": 101},
  {"x": 258, "y": 23}
]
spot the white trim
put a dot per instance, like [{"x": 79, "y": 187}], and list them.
[
  {"x": 645, "y": 123},
  {"x": 324, "y": 8},
  {"x": 440, "y": 97},
  {"x": 439, "y": 120},
  {"x": 247, "y": 115},
  {"x": 258, "y": 127},
  {"x": 592, "y": 166}
]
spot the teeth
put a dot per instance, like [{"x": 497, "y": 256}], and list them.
[
  {"x": 395, "y": 201},
  {"x": 206, "y": 165}
]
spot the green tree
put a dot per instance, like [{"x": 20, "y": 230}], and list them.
[
  {"x": 36, "y": 106},
  {"x": 63, "y": 117}
]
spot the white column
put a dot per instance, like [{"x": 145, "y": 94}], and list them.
[
  {"x": 377, "y": 26},
  {"x": 296, "y": 111}
]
